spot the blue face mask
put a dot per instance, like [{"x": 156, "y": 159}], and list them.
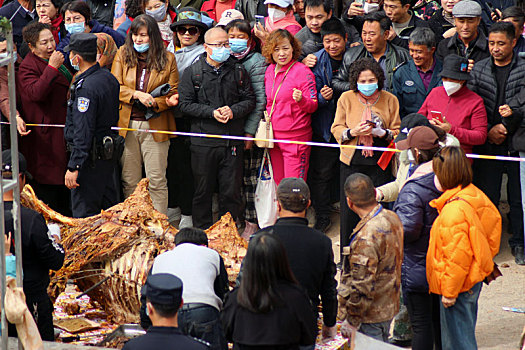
[
  {"x": 238, "y": 45},
  {"x": 73, "y": 28},
  {"x": 220, "y": 54},
  {"x": 367, "y": 89},
  {"x": 141, "y": 48},
  {"x": 75, "y": 67}
]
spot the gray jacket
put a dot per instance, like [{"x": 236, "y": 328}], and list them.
[
  {"x": 255, "y": 65},
  {"x": 395, "y": 56}
]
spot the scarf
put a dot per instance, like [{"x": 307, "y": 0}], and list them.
[
  {"x": 368, "y": 102},
  {"x": 65, "y": 72},
  {"x": 448, "y": 17},
  {"x": 106, "y": 50},
  {"x": 245, "y": 53},
  {"x": 55, "y": 28},
  {"x": 288, "y": 20}
]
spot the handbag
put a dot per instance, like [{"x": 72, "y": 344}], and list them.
[
  {"x": 264, "y": 129},
  {"x": 266, "y": 194}
]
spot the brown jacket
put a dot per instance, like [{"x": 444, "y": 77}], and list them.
[
  {"x": 349, "y": 113},
  {"x": 371, "y": 276},
  {"x": 127, "y": 77}
]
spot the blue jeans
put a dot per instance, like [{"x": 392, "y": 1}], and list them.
[
  {"x": 203, "y": 322},
  {"x": 458, "y": 322},
  {"x": 379, "y": 331}
]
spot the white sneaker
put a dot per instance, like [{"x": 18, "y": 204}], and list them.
[
  {"x": 174, "y": 214},
  {"x": 185, "y": 221}
]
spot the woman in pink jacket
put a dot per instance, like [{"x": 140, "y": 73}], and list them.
[{"x": 290, "y": 102}]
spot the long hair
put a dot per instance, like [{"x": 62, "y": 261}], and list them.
[
  {"x": 157, "y": 57},
  {"x": 265, "y": 264}
]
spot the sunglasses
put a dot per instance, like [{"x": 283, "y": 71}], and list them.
[{"x": 191, "y": 30}]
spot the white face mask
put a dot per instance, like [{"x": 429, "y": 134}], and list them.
[
  {"x": 438, "y": 184},
  {"x": 368, "y": 7},
  {"x": 451, "y": 87},
  {"x": 275, "y": 15},
  {"x": 411, "y": 157}
]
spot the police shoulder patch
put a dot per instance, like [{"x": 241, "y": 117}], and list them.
[
  {"x": 409, "y": 83},
  {"x": 82, "y": 104}
]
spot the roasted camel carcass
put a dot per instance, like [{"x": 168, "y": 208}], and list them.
[{"x": 116, "y": 249}]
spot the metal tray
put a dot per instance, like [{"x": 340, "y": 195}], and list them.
[{"x": 126, "y": 330}]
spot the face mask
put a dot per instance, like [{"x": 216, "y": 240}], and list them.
[
  {"x": 438, "y": 184},
  {"x": 368, "y": 8},
  {"x": 141, "y": 48},
  {"x": 73, "y": 28},
  {"x": 220, "y": 54},
  {"x": 411, "y": 157},
  {"x": 3, "y": 55},
  {"x": 451, "y": 87},
  {"x": 75, "y": 67},
  {"x": 158, "y": 14},
  {"x": 238, "y": 45},
  {"x": 275, "y": 14},
  {"x": 367, "y": 89}
]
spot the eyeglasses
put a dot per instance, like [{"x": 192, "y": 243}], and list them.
[
  {"x": 190, "y": 30},
  {"x": 226, "y": 45}
]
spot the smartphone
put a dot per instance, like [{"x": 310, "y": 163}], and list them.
[
  {"x": 359, "y": 2},
  {"x": 371, "y": 123},
  {"x": 437, "y": 115},
  {"x": 259, "y": 20},
  {"x": 493, "y": 10}
]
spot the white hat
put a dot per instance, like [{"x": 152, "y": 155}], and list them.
[
  {"x": 228, "y": 16},
  {"x": 280, "y": 3}
]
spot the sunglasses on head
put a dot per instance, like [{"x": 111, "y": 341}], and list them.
[{"x": 191, "y": 30}]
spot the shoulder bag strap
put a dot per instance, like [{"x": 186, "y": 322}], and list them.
[{"x": 276, "y": 92}]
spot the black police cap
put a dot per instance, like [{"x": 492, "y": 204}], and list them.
[
  {"x": 7, "y": 163},
  {"x": 163, "y": 288},
  {"x": 83, "y": 43}
]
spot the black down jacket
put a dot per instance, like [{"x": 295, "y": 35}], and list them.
[{"x": 412, "y": 207}]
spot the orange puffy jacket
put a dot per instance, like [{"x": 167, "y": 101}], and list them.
[{"x": 464, "y": 239}]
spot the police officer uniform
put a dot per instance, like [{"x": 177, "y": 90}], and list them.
[
  {"x": 166, "y": 289},
  {"x": 92, "y": 111}
]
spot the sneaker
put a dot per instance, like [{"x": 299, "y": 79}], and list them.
[
  {"x": 174, "y": 214},
  {"x": 185, "y": 221},
  {"x": 519, "y": 255},
  {"x": 323, "y": 223}
]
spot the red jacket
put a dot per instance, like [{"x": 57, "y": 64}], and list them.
[
  {"x": 209, "y": 7},
  {"x": 464, "y": 110},
  {"x": 43, "y": 100}
]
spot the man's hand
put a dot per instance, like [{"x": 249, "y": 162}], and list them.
[
  {"x": 226, "y": 112},
  {"x": 248, "y": 144},
  {"x": 71, "y": 179},
  {"x": 7, "y": 244},
  {"x": 495, "y": 15},
  {"x": 56, "y": 59},
  {"x": 470, "y": 65},
  {"x": 347, "y": 330},
  {"x": 144, "y": 98},
  {"x": 505, "y": 111},
  {"x": 449, "y": 33},
  {"x": 21, "y": 126},
  {"x": 327, "y": 93},
  {"x": 219, "y": 117},
  {"x": 448, "y": 302},
  {"x": 173, "y": 100},
  {"x": 297, "y": 95},
  {"x": 357, "y": 43},
  {"x": 260, "y": 32},
  {"x": 497, "y": 134},
  {"x": 310, "y": 61},
  {"x": 379, "y": 195},
  {"x": 391, "y": 34},
  {"x": 445, "y": 125},
  {"x": 355, "y": 9},
  {"x": 328, "y": 333}
]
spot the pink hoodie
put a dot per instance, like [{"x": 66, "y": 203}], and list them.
[{"x": 290, "y": 117}]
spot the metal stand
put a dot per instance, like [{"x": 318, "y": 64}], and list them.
[{"x": 11, "y": 184}]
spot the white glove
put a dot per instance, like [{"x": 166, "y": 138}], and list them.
[{"x": 378, "y": 132}]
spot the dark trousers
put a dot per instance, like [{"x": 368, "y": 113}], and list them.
[
  {"x": 252, "y": 165},
  {"x": 349, "y": 219},
  {"x": 212, "y": 165},
  {"x": 202, "y": 322},
  {"x": 97, "y": 189},
  {"x": 423, "y": 310},
  {"x": 180, "y": 176},
  {"x": 487, "y": 177},
  {"x": 57, "y": 197},
  {"x": 41, "y": 309},
  {"x": 323, "y": 172}
]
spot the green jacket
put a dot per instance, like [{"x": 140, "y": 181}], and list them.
[{"x": 255, "y": 65}]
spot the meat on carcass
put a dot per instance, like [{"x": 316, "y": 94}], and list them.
[{"x": 121, "y": 243}]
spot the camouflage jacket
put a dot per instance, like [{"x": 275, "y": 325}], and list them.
[{"x": 371, "y": 275}]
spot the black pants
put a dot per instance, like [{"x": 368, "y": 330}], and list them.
[
  {"x": 41, "y": 308},
  {"x": 57, "y": 197},
  {"x": 97, "y": 189},
  {"x": 180, "y": 176},
  {"x": 212, "y": 165},
  {"x": 323, "y": 172},
  {"x": 487, "y": 176},
  {"x": 423, "y": 310},
  {"x": 349, "y": 219}
]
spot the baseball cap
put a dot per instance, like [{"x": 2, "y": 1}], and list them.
[
  {"x": 280, "y": 3},
  {"x": 228, "y": 16},
  {"x": 409, "y": 122},
  {"x": 421, "y": 137},
  {"x": 466, "y": 8},
  {"x": 7, "y": 165},
  {"x": 293, "y": 190}
]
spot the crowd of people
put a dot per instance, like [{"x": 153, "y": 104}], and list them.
[{"x": 419, "y": 227}]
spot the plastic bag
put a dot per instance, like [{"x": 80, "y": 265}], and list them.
[{"x": 266, "y": 194}]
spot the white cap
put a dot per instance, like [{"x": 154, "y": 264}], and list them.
[
  {"x": 280, "y": 3},
  {"x": 228, "y": 16}
]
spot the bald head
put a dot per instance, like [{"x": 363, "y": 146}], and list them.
[
  {"x": 215, "y": 34},
  {"x": 360, "y": 189}
]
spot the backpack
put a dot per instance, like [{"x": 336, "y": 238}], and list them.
[{"x": 196, "y": 72}]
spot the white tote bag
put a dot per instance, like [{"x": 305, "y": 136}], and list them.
[{"x": 266, "y": 194}]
